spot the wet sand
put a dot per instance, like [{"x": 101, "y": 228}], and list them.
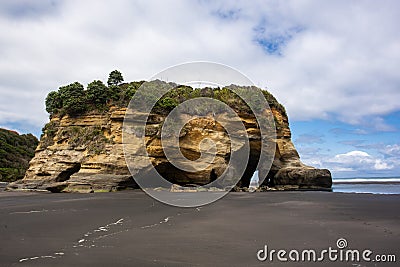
[{"x": 131, "y": 229}]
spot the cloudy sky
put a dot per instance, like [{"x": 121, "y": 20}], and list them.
[{"x": 333, "y": 64}]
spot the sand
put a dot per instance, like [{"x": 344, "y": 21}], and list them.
[{"x": 131, "y": 229}]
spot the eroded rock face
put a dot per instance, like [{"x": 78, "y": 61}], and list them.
[{"x": 85, "y": 154}]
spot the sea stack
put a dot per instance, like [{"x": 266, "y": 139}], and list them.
[{"x": 83, "y": 152}]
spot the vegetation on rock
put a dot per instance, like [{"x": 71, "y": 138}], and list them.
[
  {"x": 74, "y": 100},
  {"x": 48, "y": 133},
  {"x": 15, "y": 153},
  {"x": 70, "y": 99},
  {"x": 97, "y": 94},
  {"x": 90, "y": 138}
]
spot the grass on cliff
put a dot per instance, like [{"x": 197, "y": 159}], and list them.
[
  {"x": 77, "y": 137},
  {"x": 15, "y": 153},
  {"x": 90, "y": 138}
]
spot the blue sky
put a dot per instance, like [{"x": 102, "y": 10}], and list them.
[
  {"x": 349, "y": 150},
  {"x": 333, "y": 64}
]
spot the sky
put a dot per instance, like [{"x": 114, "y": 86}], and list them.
[{"x": 334, "y": 65}]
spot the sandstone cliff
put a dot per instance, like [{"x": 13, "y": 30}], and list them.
[{"x": 85, "y": 154}]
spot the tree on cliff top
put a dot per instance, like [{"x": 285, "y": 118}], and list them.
[
  {"x": 73, "y": 98},
  {"x": 53, "y": 102},
  {"x": 115, "y": 78},
  {"x": 97, "y": 93}
]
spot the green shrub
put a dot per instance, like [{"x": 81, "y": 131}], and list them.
[
  {"x": 53, "y": 102},
  {"x": 114, "y": 93},
  {"x": 126, "y": 92},
  {"x": 97, "y": 94},
  {"x": 167, "y": 103},
  {"x": 73, "y": 98}
]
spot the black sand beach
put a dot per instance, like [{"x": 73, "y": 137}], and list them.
[{"x": 131, "y": 229}]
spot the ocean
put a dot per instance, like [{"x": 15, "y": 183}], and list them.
[{"x": 374, "y": 185}]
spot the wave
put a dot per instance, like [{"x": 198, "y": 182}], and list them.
[{"x": 367, "y": 181}]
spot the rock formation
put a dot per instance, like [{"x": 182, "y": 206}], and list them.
[{"x": 84, "y": 153}]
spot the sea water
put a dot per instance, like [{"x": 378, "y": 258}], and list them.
[{"x": 374, "y": 185}]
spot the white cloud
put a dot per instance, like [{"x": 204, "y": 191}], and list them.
[
  {"x": 338, "y": 58},
  {"x": 350, "y": 156},
  {"x": 380, "y": 165},
  {"x": 391, "y": 150},
  {"x": 358, "y": 160},
  {"x": 353, "y": 163}
]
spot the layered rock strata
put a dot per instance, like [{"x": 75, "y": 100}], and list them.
[{"x": 85, "y": 154}]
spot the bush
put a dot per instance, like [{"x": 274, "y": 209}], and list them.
[
  {"x": 73, "y": 98},
  {"x": 97, "y": 94},
  {"x": 127, "y": 92},
  {"x": 53, "y": 102},
  {"x": 114, "y": 93},
  {"x": 167, "y": 103}
]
